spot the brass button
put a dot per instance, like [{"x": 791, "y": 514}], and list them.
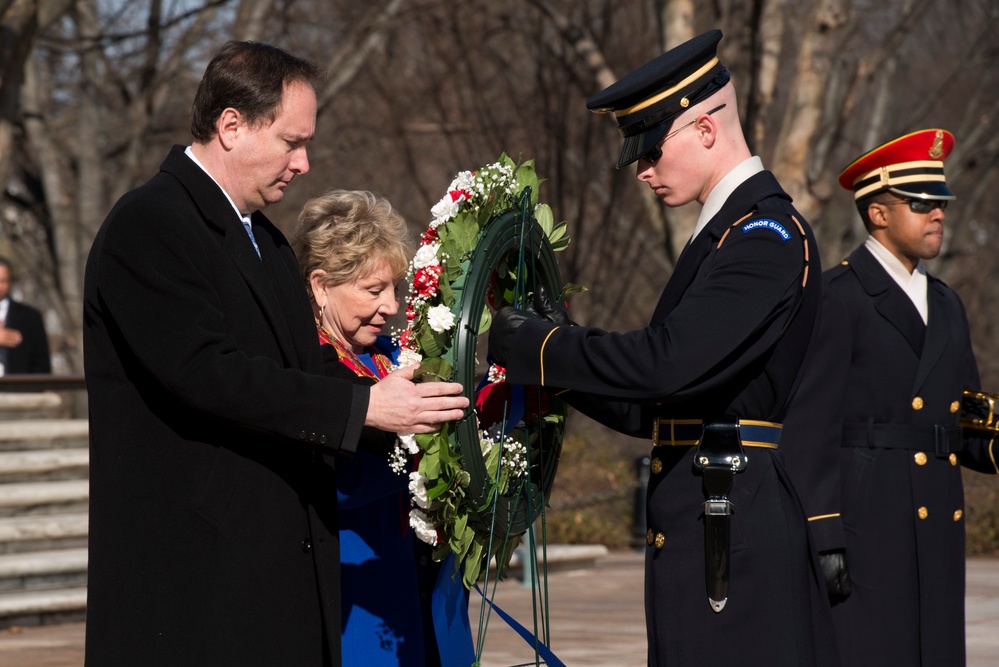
[
  {"x": 958, "y": 514},
  {"x": 657, "y": 466},
  {"x": 953, "y": 459},
  {"x": 923, "y": 512},
  {"x": 844, "y": 263},
  {"x": 660, "y": 540},
  {"x": 955, "y": 406},
  {"x": 917, "y": 403},
  {"x": 920, "y": 458},
  {"x": 650, "y": 537}
]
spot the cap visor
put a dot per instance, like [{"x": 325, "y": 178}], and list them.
[
  {"x": 640, "y": 144},
  {"x": 924, "y": 190}
]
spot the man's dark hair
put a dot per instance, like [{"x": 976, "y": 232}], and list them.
[
  {"x": 249, "y": 77},
  {"x": 10, "y": 267},
  {"x": 864, "y": 203}
]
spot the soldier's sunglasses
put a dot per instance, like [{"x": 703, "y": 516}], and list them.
[
  {"x": 920, "y": 205},
  {"x": 653, "y": 154}
]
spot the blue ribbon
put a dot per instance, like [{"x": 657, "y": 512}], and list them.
[
  {"x": 539, "y": 647},
  {"x": 450, "y": 615}
]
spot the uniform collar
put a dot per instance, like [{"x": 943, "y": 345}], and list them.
[
  {"x": 913, "y": 284},
  {"x": 725, "y": 187}
]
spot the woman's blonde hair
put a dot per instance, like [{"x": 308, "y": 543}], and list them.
[{"x": 346, "y": 232}]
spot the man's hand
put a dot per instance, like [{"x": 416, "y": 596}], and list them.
[
  {"x": 837, "y": 575},
  {"x": 9, "y": 337},
  {"x": 398, "y": 404},
  {"x": 553, "y": 312},
  {"x": 504, "y": 327}
]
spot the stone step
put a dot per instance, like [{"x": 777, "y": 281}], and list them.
[
  {"x": 24, "y": 496},
  {"x": 29, "y": 401},
  {"x": 36, "y": 527},
  {"x": 27, "y": 603},
  {"x": 43, "y": 461},
  {"x": 43, "y": 430},
  {"x": 43, "y": 563}
]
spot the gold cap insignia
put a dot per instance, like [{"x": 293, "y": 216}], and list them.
[
  {"x": 936, "y": 150},
  {"x": 885, "y": 176}
]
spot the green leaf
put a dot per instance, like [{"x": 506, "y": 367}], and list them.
[
  {"x": 463, "y": 233},
  {"x": 543, "y": 214},
  {"x": 485, "y": 321},
  {"x": 572, "y": 288},
  {"x": 473, "y": 565},
  {"x": 434, "y": 369}
]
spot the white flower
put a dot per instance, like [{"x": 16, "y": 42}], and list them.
[
  {"x": 409, "y": 357},
  {"x": 398, "y": 461},
  {"x": 426, "y": 256},
  {"x": 418, "y": 489},
  {"x": 440, "y": 318},
  {"x": 421, "y": 525},
  {"x": 408, "y": 443},
  {"x": 446, "y": 208},
  {"x": 463, "y": 181}
]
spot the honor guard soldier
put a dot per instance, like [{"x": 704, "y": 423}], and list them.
[
  {"x": 878, "y": 408},
  {"x": 729, "y": 573}
]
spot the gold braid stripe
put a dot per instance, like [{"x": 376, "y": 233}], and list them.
[
  {"x": 542, "y": 360},
  {"x": 664, "y": 94}
]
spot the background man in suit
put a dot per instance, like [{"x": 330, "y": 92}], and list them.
[
  {"x": 712, "y": 369},
  {"x": 877, "y": 416},
  {"x": 213, "y": 535},
  {"x": 24, "y": 346}
]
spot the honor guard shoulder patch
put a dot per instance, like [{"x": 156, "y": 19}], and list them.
[{"x": 768, "y": 224}]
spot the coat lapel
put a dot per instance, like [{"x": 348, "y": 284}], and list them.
[
  {"x": 937, "y": 333},
  {"x": 739, "y": 203},
  {"x": 220, "y": 216},
  {"x": 889, "y": 300}
]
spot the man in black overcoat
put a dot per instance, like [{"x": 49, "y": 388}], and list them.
[
  {"x": 730, "y": 575},
  {"x": 24, "y": 345},
  {"x": 213, "y": 527},
  {"x": 877, "y": 419}
]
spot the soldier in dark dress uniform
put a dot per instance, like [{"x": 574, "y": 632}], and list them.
[
  {"x": 878, "y": 408},
  {"x": 730, "y": 576}
]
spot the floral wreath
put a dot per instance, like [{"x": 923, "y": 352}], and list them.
[{"x": 443, "y": 513}]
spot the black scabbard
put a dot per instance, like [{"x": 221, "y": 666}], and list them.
[{"x": 719, "y": 456}]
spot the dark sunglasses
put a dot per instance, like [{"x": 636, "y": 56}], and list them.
[
  {"x": 920, "y": 205},
  {"x": 653, "y": 154}
]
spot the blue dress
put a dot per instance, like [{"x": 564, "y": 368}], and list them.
[{"x": 387, "y": 579}]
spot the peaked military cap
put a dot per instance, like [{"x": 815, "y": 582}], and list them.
[
  {"x": 910, "y": 166},
  {"x": 647, "y": 100}
]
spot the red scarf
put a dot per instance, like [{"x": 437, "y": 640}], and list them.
[{"x": 347, "y": 357}]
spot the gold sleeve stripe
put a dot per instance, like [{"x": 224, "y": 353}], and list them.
[
  {"x": 823, "y": 516},
  {"x": 542, "y": 360}
]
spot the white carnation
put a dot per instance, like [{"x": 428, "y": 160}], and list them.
[
  {"x": 418, "y": 489},
  {"x": 409, "y": 357},
  {"x": 408, "y": 442},
  {"x": 420, "y": 523},
  {"x": 446, "y": 208},
  {"x": 426, "y": 256},
  {"x": 440, "y": 318}
]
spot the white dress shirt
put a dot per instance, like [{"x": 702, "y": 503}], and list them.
[
  {"x": 726, "y": 186},
  {"x": 913, "y": 284}
]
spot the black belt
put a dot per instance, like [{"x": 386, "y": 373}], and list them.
[
  {"x": 687, "y": 432},
  {"x": 942, "y": 440}
]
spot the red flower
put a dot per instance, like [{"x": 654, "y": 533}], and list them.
[
  {"x": 429, "y": 236},
  {"x": 426, "y": 279}
]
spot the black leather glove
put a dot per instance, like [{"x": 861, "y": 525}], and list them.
[
  {"x": 837, "y": 575},
  {"x": 504, "y": 327},
  {"x": 553, "y": 312}
]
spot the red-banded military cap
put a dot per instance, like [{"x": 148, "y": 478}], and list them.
[
  {"x": 910, "y": 166},
  {"x": 647, "y": 100}
]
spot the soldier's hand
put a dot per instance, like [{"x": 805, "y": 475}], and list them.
[
  {"x": 837, "y": 575},
  {"x": 503, "y": 329},
  {"x": 551, "y": 311}
]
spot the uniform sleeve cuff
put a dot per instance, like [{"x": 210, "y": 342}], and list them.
[{"x": 530, "y": 343}]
